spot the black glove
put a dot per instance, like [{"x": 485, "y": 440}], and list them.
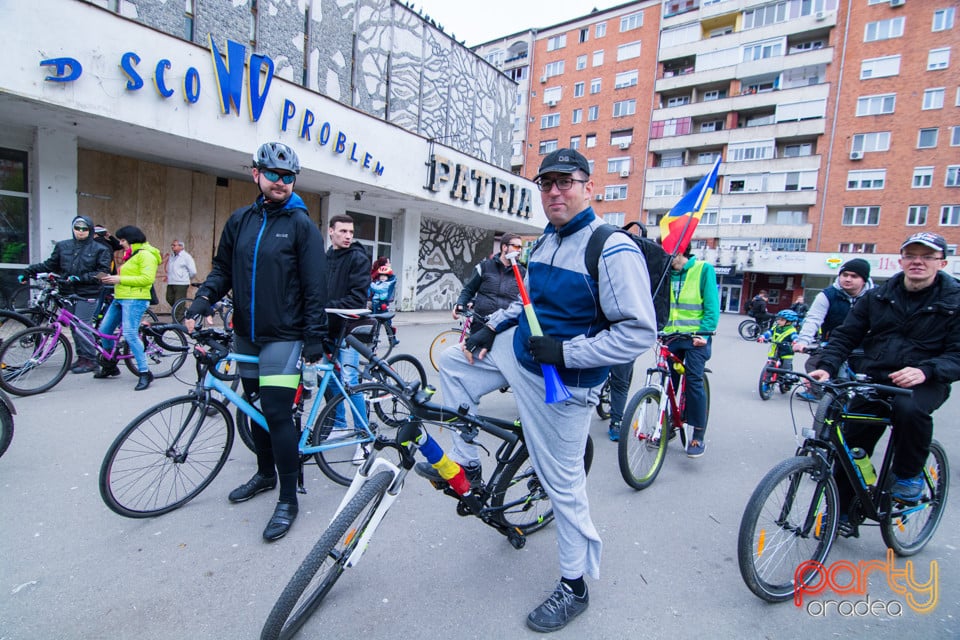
[
  {"x": 199, "y": 308},
  {"x": 313, "y": 351},
  {"x": 482, "y": 338},
  {"x": 546, "y": 350}
]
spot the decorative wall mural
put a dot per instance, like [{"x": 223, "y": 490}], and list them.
[{"x": 447, "y": 254}]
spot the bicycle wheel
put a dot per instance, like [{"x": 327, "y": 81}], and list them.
[
  {"x": 520, "y": 499},
  {"x": 440, "y": 343},
  {"x": 179, "y": 309},
  {"x": 323, "y": 566},
  {"x": 603, "y": 402},
  {"x": 34, "y": 360},
  {"x": 907, "y": 528},
  {"x": 345, "y": 432},
  {"x": 749, "y": 330},
  {"x": 166, "y": 457},
  {"x": 160, "y": 361},
  {"x": 391, "y": 408},
  {"x": 6, "y": 428},
  {"x": 767, "y": 383},
  {"x": 791, "y": 518},
  {"x": 12, "y": 322},
  {"x": 641, "y": 449}
]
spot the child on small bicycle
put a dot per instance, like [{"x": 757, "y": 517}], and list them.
[
  {"x": 781, "y": 337},
  {"x": 382, "y": 289}
]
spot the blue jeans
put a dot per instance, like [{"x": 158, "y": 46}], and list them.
[
  {"x": 694, "y": 362},
  {"x": 131, "y": 312},
  {"x": 621, "y": 375},
  {"x": 350, "y": 372}
]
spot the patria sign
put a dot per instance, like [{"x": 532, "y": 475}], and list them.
[
  {"x": 478, "y": 187},
  {"x": 231, "y": 73}
]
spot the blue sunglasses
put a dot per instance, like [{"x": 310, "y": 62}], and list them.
[{"x": 273, "y": 176}]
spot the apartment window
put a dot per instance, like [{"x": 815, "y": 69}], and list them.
[
  {"x": 593, "y": 113},
  {"x": 866, "y": 142},
  {"x": 762, "y": 16},
  {"x": 788, "y": 217},
  {"x": 624, "y": 108},
  {"x": 922, "y": 177},
  {"x": 861, "y": 216},
  {"x": 621, "y": 138},
  {"x": 595, "y": 86},
  {"x": 927, "y": 138},
  {"x": 616, "y": 192},
  {"x": 917, "y": 215},
  {"x": 557, "y": 42},
  {"x": 938, "y": 59},
  {"x": 629, "y": 50},
  {"x": 632, "y": 21},
  {"x": 584, "y": 34},
  {"x": 709, "y": 96},
  {"x": 591, "y": 141},
  {"x": 618, "y": 165},
  {"x": 598, "y": 58},
  {"x": 933, "y": 98},
  {"x": 737, "y": 186},
  {"x": 955, "y": 136},
  {"x": 943, "y": 19},
  {"x": 884, "y": 29},
  {"x": 574, "y": 142},
  {"x": 547, "y": 146},
  {"x": 553, "y": 69},
  {"x": 798, "y": 150},
  {"x": 252, "y": 25},
  {"x": 188, "y": 19},
  {"x": 581, "y": 62},
  {"x": 880, "y": 67},
  {"x": 553, "y": 94},
  {"x": 600, "y": 30},
  {"x": 496, "y": 57},
  {"x": 578, "y": 89},
  {"x": 677, "y": 101},
  {"x": 809, "y": 45},
  {"x": 752, "y": 150},
  {"x": 950, "y": 215},
  {"x": 671, "y": 159},
  {"x": 707, "y": 157},
  {"x": 711, "y": 125},
  {"x": 549, "y": 121},
  {"x": 873, "y": 179},
  {"x": 876, "y": 105},
  {"x": 15, "y": 206},
  {"x": 516, "y": 124},
  {"x": 626, "y": 79},
  {"x": 577, "y": 116},
  {"x": 666, "y": 187},
  {"x": 857, "y": 247},
  {"x": 762, "y": 50},
  {"x": 953, "y": 176},
  {"x": 616, "y": 219}
]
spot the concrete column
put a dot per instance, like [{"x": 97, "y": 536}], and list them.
[
  {"x": 333, "y": 205},
  {"x": 407, "y": 258},
  {"x": 54, "y": 201}
]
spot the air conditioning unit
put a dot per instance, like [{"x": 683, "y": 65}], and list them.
[
  {"x": 551, "y": 103},
  {"x": 624, "y": 145},
  {"x": 599, "y": 197},
  {"x": 821, "y": 16},
  {"x": 543, "y": 79},
  {"x": 856, "y": 155},
  {"x": 625, "y": 174},
  {"x": 897, "y": 3}
]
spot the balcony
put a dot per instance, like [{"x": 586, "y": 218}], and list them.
[
  {"x": 748, "y": 102},
  {"x": 749, "y": 69},
  {"x": 782, "y": 199},
  {"x": 713, "y": 139}
]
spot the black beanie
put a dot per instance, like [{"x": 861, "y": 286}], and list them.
[{"x": 859, "y": 266}]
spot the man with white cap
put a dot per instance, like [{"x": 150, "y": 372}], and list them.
[{"x": 909, "y": 328}]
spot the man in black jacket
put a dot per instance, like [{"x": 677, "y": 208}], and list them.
[
  {"x": 271, "y": 256},
  {"x": 492, "y": 285},
  {"x": 80, "y": 259},
  {"x": 909, "y": 329}
]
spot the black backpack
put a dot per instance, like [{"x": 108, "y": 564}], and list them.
[{"x": 658, "y": 265}]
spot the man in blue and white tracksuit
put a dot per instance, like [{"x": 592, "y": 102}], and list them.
[{"x": 588, "y": 326}]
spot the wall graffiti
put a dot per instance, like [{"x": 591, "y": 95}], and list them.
[{"x": 447, "y": 254}]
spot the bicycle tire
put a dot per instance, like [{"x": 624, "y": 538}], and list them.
[
  {"x": 178, "y": 311},
  {"x": 24, "y": 296},
  {"x": 766, "y": 383},
  {"x": 150, "y": 317},
  {"x": 12, "y": 322},
  {"x": 791, "y": 518},
  {"x": 161, "y": 362},
  {"x": 303, "y": 594},
  {"x": 749, "y": 330},
  {"x": 529, "y": 509},
  {"x": 907, "y": 529},
  {"x": 639, "y": 453},
  {"x": 145, "y": 472},
  {"x": 347, "y": 431},
  {"x": 30, "y": 364},
  {"x": 6, "y": 428},
  {"x": 603, "y": 402},
  {"x": 441, "y": 343}
]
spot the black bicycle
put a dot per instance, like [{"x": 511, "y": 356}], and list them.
[
  {"x": 793, "y": 516},
  {"x": 512, "y": 501},
  {"x": 751, "y": 329}
]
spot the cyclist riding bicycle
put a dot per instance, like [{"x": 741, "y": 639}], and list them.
[{"x": 781, "y": 337}]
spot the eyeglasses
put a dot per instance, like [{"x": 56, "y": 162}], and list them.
[
  {"x": 273, "y": 176},
  {"x": 926, "y": 258},
  {"x": 563, "y": 184},
  {"x": 81, "y": 228}
]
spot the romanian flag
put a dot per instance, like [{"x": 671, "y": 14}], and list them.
[{"x": 676, "y": 228}]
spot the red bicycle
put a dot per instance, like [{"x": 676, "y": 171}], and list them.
[{"x": 654, "y": 415}]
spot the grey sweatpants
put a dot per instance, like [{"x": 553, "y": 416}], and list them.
[{"x": 555, "y": 434}]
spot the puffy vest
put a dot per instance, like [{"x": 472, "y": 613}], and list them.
[
  {"x": 686, "y": 308},
  {"x": 836, "y": 311}
]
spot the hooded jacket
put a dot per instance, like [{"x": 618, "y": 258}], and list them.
[
  {"x": 138, "y": 273},
  {"x": 81, "y": 258},
  {"x": 348, "y": 279},
  {"x": 272, "y": 257},
  {"x": 828, "y": 311}
]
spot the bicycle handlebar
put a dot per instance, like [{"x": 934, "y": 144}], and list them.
[
  {"x": 157, "y": 330},
  {"x": 883, "y": 389}
]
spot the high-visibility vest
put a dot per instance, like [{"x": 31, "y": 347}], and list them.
[{"x": 686, "y": 309}]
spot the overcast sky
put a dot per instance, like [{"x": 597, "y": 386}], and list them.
[{"x": 488, "y": 19}]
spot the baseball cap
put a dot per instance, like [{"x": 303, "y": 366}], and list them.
[
  {"x": 563, "y": 161},
  {"x": 927, "y": 239}
]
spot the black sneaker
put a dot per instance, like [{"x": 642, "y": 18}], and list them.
[
  {"x": 474, "y": 474},
  {"x": 556, "y": 611},
  {"x": 253, "y": 486}
]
